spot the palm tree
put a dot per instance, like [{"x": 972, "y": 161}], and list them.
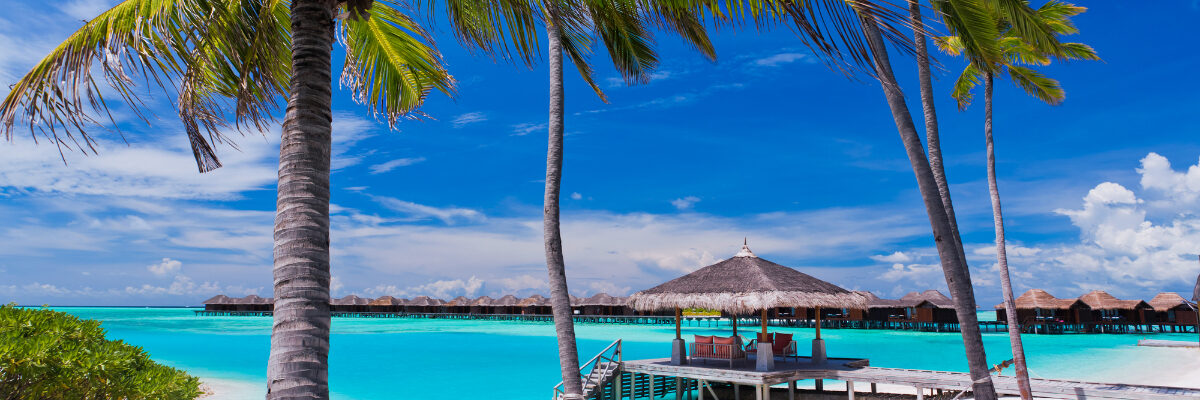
[
  {"x": 239, "y": 57},
  {"x": 1014, "y": 52},
  {"x": 571, "y": 26}
]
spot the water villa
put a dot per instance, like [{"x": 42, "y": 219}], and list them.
[
  {"x": 1099, "y": 312},
  {"x": 723, "y": 367},
  {"x": 1172, "y": 311}
]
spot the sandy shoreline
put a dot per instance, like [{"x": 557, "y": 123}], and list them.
[{"x": 231, "y": 389}]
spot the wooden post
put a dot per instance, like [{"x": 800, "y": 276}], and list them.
[
  {"x": 700, "y": 388},
  {"x": 920, "y": 394},
  {"x": 733, "y": 318},
  {"x": 678, "y": 386},
  {"x": 850, "y": 390},
  {"x": 758, "y": 392},
  {"x": 820, "y": 385},
  {"x": 678, "y": 316},
  {"x": 873, "y": 388},
  {"x": 791, "y": 390},
  {"x": 818, "y": 323},
  {"x": 737, "y": 392},
  {"x": 617, "y": 389}
]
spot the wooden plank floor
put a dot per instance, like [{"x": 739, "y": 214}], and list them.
[{"x": 855, "y": 370}]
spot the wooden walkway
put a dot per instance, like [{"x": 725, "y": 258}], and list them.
[
  {"x": 600, "y": 319},
  {"x": 856, "y": 371}
]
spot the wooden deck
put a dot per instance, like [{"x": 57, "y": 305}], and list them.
[{"x": 858, "y": 371}]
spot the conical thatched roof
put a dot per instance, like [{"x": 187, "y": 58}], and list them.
[
  {"x": 1196, "y": 290},
  {"x": 575, "y": 301},
  {"x": 506, "y": 301},
  {"x": 934, "y": 297},
  {"x": 460, "y": 301},
  {"x": 1167, "y": 300},
  {"x": 1101, "y": 300},
  {"x": 482, "y": 301},
  {"x": 425, "y": 301},
  {"x": 745, "y": 283},
  {"x": 350, "y": 300},
  {"x": 1038, "y": 298},
  {"x": 387, "y": 301},
  {"x": 602, "y": 299},
  {"x": 874, "y": 301},
  {"x": 534, "y": 301},
  {"x": 219, "y": 299}
]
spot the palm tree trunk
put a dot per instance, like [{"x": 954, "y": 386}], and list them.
[
  {"x": 298, "y": 365},
  {"x": 958, "y": 279},
  {"x": 560, "y": 299},
  {"x": 932, "y": 137},
  {"x": 1010, "y": 309}
]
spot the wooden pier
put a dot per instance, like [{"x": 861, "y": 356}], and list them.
[
  {"x": 608, "y": 377},
  {"x": 600, "y": 319}
]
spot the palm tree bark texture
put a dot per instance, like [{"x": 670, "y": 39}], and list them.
[{"x": 300, "y": 334}]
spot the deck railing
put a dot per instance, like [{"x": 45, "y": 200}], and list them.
[{"x": 610, "y": 354}]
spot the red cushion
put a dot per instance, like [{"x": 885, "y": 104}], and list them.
[
  {"x": 703, "y": 339},
  {"x": 723, "y": 340},
  {"x": 782, "y": 340},
  {"x": 764, "y": 337}
]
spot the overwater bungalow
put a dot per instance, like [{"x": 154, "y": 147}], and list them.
[
  {"x": 349, "y": 303},
  {"x": 1173, "y": 310},
  {"x": 253, "y": 303},
  {"x": 1038, "y": 308},
  {"x": 508, "y": 304},
  {"x": 603, "y": 304},
  {"x": 930, "y": 306},
  {"x": 1108, "y": 310},
  {"x": 482, "y": 305},
  {"x": 424, "y": 305},
  {"x": 386, "y": 304},
  {"x": 219, "y": 303},
  {"x": 458, "y": 305},
  {"x": 535, "y": 305}
]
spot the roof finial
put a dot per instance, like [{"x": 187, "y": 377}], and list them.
[
  {"x": 745, "y": 252},
  {"x": 744, "y": 240}
]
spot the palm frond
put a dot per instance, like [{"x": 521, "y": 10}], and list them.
[
  {"x": 507, "y": 28},
  {"x": 951, "y": 45},
  {"x": 391, "y": 63},
  {"x": 1025, "y": 22},
  {"x": 964, "y": 86},
  {"x": 1057, "y": 15},
  {"x": 974, "y": 25},
  {"x": 622, "y": 32},
  {"x": 684, "y": 18},
  {"x": 574, "y": 36},
  {"x": 1037, "y": 85}
]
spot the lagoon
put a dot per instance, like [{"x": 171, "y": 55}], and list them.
[{"x": 446, "y": 359}]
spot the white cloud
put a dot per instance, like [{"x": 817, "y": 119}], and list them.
[
  {"x": 576, "y": 196},
  {"x": 895, "y": 257},
  {"x": 444, "y": 289},
  {"x": 527, "y": 128},
  {"x": 781, "y": 59},
  {"x": 393, "y": 164},
  {"x": 166, "y": 267},
  {"x": 685, "y": 203},
  {"x": 447, "y": 215},
  {"x": 468, "y": 118},
  {"x": 85, "y": 9}
]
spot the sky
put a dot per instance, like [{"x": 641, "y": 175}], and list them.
[{"x": 766, "y": 144}]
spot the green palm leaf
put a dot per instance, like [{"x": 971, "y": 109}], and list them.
[{"x": 1037, "y": 85}]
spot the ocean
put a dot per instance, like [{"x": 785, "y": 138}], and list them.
[{"x": 448, "y": 359}]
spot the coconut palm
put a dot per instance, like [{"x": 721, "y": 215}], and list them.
[
  {"x": 571, "y": 27},
  {"x": 1016, "y": 53},
  {"x": 239, "y": 57}
]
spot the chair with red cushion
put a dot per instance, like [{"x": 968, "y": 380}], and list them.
[{"x": 784, "y": 346}]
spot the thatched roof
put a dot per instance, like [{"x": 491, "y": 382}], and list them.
[
  {"x": 934, "y": 297},
  {"x": 460, "y": 301},
  {"x": 350, "y": 300},
  {"x": 602, "y": 299},
  {"x": 536, "y": 300},
  {"x": 425, "y": 301},
  {"x": 1038, "y": 298},
  {"x": 506, "y": 301},
  {"x": 219, "y": 299},
  {"x": 1167, "y": 300},
  {"x": 253, "y": 299},
  {"x": 575, "y": 301},
  {"x": 874, "y": 301},
  {"x": 1196, "y": 290},
  {"x": 1101, "y": 300},
  {"x": 387, "y": 301},
  {"x": 745, "y": 283},
  {"x": 482, "y": 301}
]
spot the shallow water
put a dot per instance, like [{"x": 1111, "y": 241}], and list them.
[{"x": 444, "y": 359}]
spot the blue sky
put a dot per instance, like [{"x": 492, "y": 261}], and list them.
[{"x": 766, "y": 143}]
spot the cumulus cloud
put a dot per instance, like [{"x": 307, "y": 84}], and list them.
[
  {"x": 393, "y": 164},
  {"x": 166, "y": 267},
  {"x": 468, "y": 118},
  {"x": 685, "y": 203},
  {"x": 895, "y": 257}
]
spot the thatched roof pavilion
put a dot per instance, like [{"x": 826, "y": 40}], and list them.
[
  {"x": 1040, "y": 299},
  {"x": 602, "y": 299},
  {"x": 536, "y": 300},
  {"x": 350, "y": 300},
  {"x": 744, "y": 284},
  {"x": 482, "y": 301},
  {"x": 460, "y": 301},
  {"x": 932, "y": 296},
  {"x": 218, "y": 299},
  {"x": 507, "y": 301},
  {"x": 386, "y": 304}
]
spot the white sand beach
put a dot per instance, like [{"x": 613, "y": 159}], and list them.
[{"x": 229, "y": 389}]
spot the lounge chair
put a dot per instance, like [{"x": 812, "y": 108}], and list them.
[
  {"x": 718, "y": 348},
  {"x": 782, "y": 344}
]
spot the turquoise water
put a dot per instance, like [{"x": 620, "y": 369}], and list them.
[{"x": 444, "y": 359}]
